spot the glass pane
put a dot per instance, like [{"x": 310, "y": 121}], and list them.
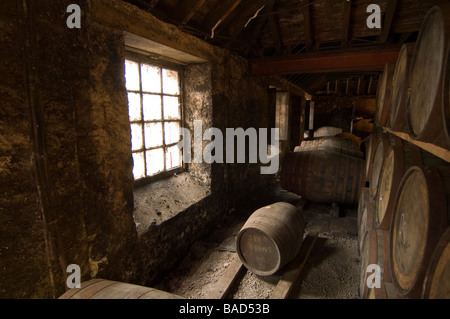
[
  {"x": 170, "y": 82},
  {"x": 172, "y": 132},
  {"x": 134, "y": 106},
  {"x": 152, "y": 107},
  {"x": 131, "y": 75},
  {"x": 155, "y": 161},
  {"x": 153, "y": 135},
  {"x": 151, "y": 78},
  {"x": 136, "y": 137},
  {"x": 139, "y": 165},
  {"x": 173, "y": 157},
  {"x": 171, "y": 108}
]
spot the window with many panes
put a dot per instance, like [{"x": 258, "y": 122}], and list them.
[{"x": 154, "y": 108}]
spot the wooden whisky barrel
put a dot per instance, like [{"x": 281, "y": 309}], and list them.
[
  {"x": 437, "y": 282},
  {"x": 270, "y": 238},
  {"x": 400, "y": 156},
  {"x": 365, "y": 217},
  {"x": 323, "y": 176},
  {"x": 419, "y": 219},
  {"x": 375, "y": 252},
  {"x": 400, "y": 89},
  {"x": 331, "y": 143},
  {"x": 108, "y": 289},
  {"x": 380, "y": 150},
  {"x": 384, "y": 95},
  {"x": 425, "y": 107}
]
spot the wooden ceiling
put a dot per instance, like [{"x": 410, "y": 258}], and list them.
[{"x": 279, "y": 33}]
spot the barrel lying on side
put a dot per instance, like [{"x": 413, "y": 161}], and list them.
[
  {"x": 323, "y": 176},
  {"x": 270, "y": 238},
  {"x": 331, "y": 143},
  {"x": 108, "y": 289},
  {"x": 419, "y": 219},
  {"x": 375, "y": 252},
  {"x": 399, "y": 90},
  {"x": 425, "y": 113},
  {"x": 384, "y": 95},
  {"x": 400, "y": 156},
  {"x": 437, "y": 282}
]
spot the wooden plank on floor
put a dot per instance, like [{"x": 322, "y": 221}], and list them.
[
  {"x": 294, "y": 269},
  {"x": 228, "y": 279}
]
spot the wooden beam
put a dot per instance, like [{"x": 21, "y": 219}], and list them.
[
  {"x": 388, "y": 18},
  {"x": 307, "y": 23},
  {"x": 275, "y": 30},
  {"x": 187, "y": 10},
  {"x": 262, "y": 19},
  {"x": 431, "y": 148},
  {"x": 218, "y": 14},
  {"x": 339, "y": 62},
  {"x": 225, "y": 283},
  {"x": 294, "y": 269},
  {"x": 346, "y": 23}
]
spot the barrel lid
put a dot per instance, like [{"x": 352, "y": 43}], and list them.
[
  {"x": 258, "y": 251},
  {"x": 419, "y": 212},
  {"x": 437, "y": 284},
  {"x": 426, "y": 73},
  {"x": 390, "y": 177}
]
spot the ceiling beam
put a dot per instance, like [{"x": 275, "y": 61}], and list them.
[
  {"x": 262, "y": 19},
  {"x": 275, "y": 30},
  {"x": 153, "y": 3},
  {"x": 388, "y": 18},
  {"x": 346, "y": 23},
  {"x": 187, "y": 9},
  {"x": 218, "y": 14},
  {"x": 338, "y": 62},
  {"x": 307, "y": 22}
]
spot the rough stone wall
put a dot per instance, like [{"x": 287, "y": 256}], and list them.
[
  {"x": 22, "y": 230},
  {"x": 66, "y": 181}
]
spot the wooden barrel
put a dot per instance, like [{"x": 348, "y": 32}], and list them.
[
  {"x": 384, "y": 95},
  {"x": 327, "y": 131},
  {"x": 108, "y": 289},
  {"x": 419, "y": 219},
  {"x": 331, "y": 143},
  {"x": 365, "y": 217},
  {"x": 425, "y": 107},
  {"x": 400, "y": 89},
  {"x": 323, "y": 176},
  {"x": 270, "y": 238},
  {"x": 400, "y": 156},
  {"x": 380, "y": 150},
  {"x": 437, "y": 282},
  {"x": 375, "y": 252}
]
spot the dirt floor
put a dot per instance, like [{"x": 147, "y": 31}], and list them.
[{"x": 330, "y": 272}]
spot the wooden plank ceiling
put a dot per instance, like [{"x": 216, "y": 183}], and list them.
[{"x": 283, "y": 37}]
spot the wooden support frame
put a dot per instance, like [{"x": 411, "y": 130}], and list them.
[
  {"x": 186, "y": 10},
  {"x": 219, "y": 14},
  {"x": 307, "y": 22},
  {"x": 346, "y": 23},
  {"x": 339, "y": 62}
]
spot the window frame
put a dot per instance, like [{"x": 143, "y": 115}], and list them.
[{"x": 144, "y": 59}]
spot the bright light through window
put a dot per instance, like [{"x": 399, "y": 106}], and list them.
[{"x": 155, "y": 118}]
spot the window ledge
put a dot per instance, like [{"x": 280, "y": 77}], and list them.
[{"x": 159, "y": 201}]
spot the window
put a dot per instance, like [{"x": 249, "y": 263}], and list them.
[{"x": 154, "y": 110}]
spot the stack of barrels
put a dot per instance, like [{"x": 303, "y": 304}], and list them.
[
  {"x": 403, "y": 212},
  {"x": 325, "y": 170}
]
